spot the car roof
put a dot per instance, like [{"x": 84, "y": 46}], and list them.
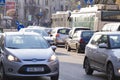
[
  {"x": 111, "y": 27},
  {"x": 112, "y": 24},
  {"x": 20, "y": 33},
  {"x": 85, "y": 31},
  {"x": 81, "y": 27},
  {"x": 35, "y": 27},
  {"x": 61, "y": 28},
  {"x": 109, "y": 33},
  {"x": 38, "y": 28}
]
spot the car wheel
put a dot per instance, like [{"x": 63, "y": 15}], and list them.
[
  {"x": 2, "y": 74},
  {"x": 65, "y": 45},
  {"x": 56, "y": 77},
  {"x": 68, "y": 48},
  {"x": 110, "y": 72},
  {"x": 88, "y": 69}
]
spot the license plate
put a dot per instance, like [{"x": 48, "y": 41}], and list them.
[{"x": 35, "y": 69}]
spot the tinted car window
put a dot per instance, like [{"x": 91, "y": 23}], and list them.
[
  {"x": 114, "y": 41},
  {"x": 63, "y": 31},
  {"x": 77, "y": 29},
  {"x": 87, "y": 34},
  {"x": 25, "y": 42}
]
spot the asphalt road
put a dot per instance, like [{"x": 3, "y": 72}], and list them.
[{"x": 71, "y": 67}]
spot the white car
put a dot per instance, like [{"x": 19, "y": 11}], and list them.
[
  {"x": 102, "y": 53},
  {"x": 59, "y": 35},
  {"x": 40, "y": 31}
]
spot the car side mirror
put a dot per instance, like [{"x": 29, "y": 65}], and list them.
[
  {"x": 53, "y": 48},
  {"x": 102, "y": 45}
]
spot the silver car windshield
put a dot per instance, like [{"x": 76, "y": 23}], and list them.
[
  {"x": 114, "y": 41},
  {"x": 26, "y": 42}
]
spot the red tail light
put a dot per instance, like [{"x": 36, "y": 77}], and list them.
[
  {"x": 82, "y": 41},
  {"x": 57, "y": 35}
]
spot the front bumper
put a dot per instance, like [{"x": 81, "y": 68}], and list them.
[{"x": 20, "y": 69}]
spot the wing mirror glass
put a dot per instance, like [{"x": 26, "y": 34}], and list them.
[
  {"x": 103, "y": 45},
  {"x": 53, "y": 48}
]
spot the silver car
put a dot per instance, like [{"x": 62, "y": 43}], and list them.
[
  {"x": 27, "y": 54},
  {"x": 59, "y": 35},
  {"x": 102, "y": 53}
]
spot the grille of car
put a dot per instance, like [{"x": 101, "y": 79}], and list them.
[
  {"x": 34, "y": 59},
  {"x": 23, "y": 69}
]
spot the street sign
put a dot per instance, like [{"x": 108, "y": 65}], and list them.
[
  {"x": 29, "y": 17},
  {"x": 79, "y": 7},
  {"x": 91, "y": 2},
  {"x": 86, "y": 1},
  {"x": 2, "y": 2}
]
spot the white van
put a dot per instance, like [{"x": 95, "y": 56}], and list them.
[{"x": 111, "y": 27}]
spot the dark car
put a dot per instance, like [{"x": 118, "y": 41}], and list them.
[{"x": 79, "y": 40}]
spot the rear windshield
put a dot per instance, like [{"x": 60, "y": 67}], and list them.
[
  {"x": 87, "y": 34},
  {"x": 77, "y": 29},
  {"x": 63, "y": 31}
]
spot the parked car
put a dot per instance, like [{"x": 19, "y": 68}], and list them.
[
  {"x": 40, "y": 31},
  {"x": 102, "y": 54},
  {"x": 59, "y": 34},
  {"x": 48, "y": 30},
  {"x": 74, "y": 29},
  {"x": 27, "y": 54},
  {"x": 111, "y": 27},
  {"x": 79, "y": 40}
]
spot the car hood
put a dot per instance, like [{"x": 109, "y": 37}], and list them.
[
  {"x": 31, "y": 53},
  {"x": 116, "y": 52}
]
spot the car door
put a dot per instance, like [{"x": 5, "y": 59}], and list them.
[
  {"x": 91, "y": 49},
  {"x": 73, "y": 41},
  {"x": 101, "y": 53}
]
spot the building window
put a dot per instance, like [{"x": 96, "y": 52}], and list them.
[
  {"x": 38, "y": 2},
  {"x": 25, "y": 2},
  {"x": 46, "y": 2},
  {"x": 54, "y": 8},
  {"x": 66, "y": 7},
  {"x": 61, "y": 7}
]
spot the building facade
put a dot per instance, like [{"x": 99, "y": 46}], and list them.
[{"x": 40, "y": 11}]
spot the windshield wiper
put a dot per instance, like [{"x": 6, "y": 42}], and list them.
[{"x": 13, "y": 47}]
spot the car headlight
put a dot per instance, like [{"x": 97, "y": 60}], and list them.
[
  {"x": 13, "y": 58},
  {"x": 52, "y": 58}
]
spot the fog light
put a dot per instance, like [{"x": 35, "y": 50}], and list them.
[{"x": 10, "y": 69}]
